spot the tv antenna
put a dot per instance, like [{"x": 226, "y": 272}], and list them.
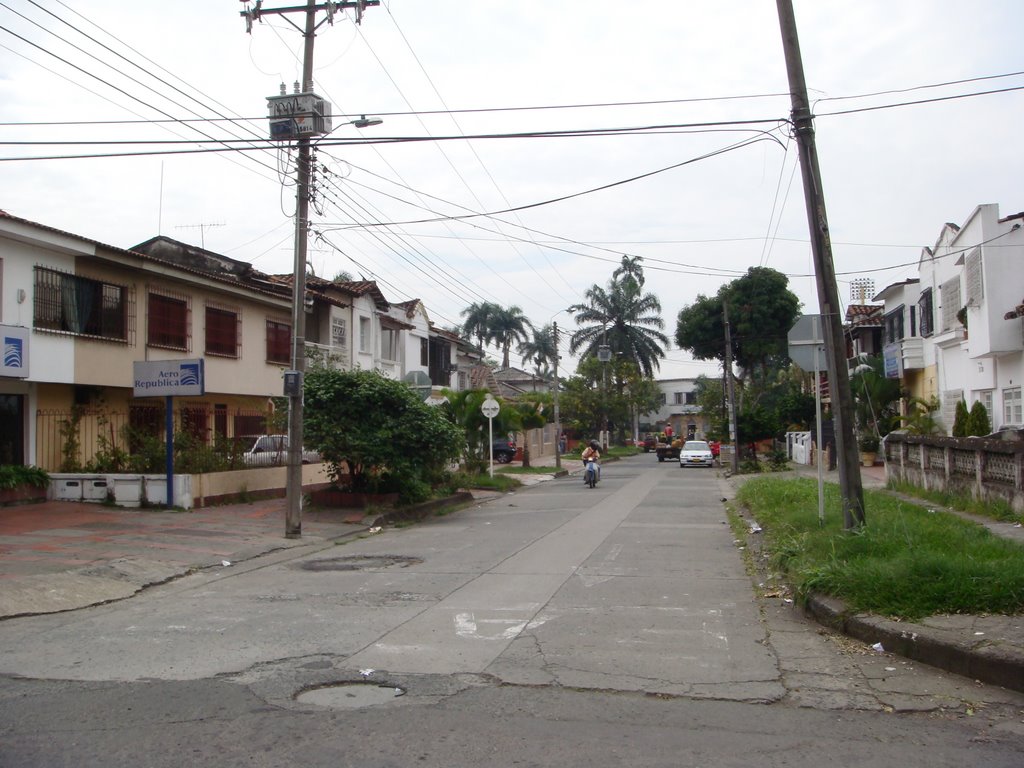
[{"x": 202, "y": 230}]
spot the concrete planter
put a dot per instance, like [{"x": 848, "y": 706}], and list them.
[
  {"x": 331, "y": 497},
  {"x": 21, "y": 494}
]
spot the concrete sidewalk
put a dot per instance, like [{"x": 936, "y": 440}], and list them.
[{"x": 60, "y": 555}]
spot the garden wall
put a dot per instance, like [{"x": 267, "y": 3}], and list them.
[{"x": 983, "y": 468}]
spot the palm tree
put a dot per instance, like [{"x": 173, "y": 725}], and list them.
[
  {"x": 622, "y": 317},
  {"x": 507, "y": 325},
  {"x": 542, "y": 349},
  {"x": 478, "y": 321}
]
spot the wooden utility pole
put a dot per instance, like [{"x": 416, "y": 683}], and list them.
[
  {"x": 558, "y": 415},
  {"x": 851, "y": 490},
  {"x": 293, "y": 483}
]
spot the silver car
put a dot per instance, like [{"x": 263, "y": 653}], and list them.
[
  {"x": 272, "y": 451},
  {"x": 696, "y": 453}
]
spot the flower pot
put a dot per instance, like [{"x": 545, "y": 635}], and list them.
[{"x": 867, "y": 458}]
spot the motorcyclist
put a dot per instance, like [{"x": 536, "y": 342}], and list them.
[{"x": 592, "y": 451}]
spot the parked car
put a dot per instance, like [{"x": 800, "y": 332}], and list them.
[
  {"x": 504, "y": 449},
  {"x": 271, "y": 451},
  {"x": 696, "y": 453},
  {"x": 650, "y": 442}
]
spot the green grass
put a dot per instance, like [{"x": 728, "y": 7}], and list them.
[
  {"x": 996, "y": 510},
  {"x": 909, "y": 562},
  {"x": 527, "y": 470},
  {"x": 499, "y": 482}
]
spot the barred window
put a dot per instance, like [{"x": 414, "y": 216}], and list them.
[
  {"x": 926, "y": 313},
  {"x": 169, "y": 321},
  {"x": 66, "y": 303},
  {"x": 223, "y": 331},
  {"x": 894, "y": 325},
  {"x": 279, "y": 342}
]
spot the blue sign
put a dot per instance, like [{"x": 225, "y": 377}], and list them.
[
  {"x": 892, "y": 355},
  {"x": 15, "y": 351},
  {"x": 169, "y": 378}
]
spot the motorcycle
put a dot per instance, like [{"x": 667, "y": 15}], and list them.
[{"x": 592, "y": 473}]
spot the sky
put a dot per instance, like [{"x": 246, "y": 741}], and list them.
[{"x": 487, "y": 180}]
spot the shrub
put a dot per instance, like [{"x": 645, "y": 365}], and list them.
[
  {"x": 960, "y": 419},
  {"x": 15, "y": 475},
  {"x": 978, "y": 423}
]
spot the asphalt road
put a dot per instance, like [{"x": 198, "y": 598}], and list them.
[{"x": 555, "y": 626}]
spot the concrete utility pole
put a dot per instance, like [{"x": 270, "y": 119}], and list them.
[
  {"x": 828, "y": 295},
  {"x": 558, "y": 415},
  {"x": 730, "y": 388},
  {"x": 293, "y": 484}
]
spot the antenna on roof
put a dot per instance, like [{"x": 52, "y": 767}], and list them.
[{"x": 202, "y": 230}]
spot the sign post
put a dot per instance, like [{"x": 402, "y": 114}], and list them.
[
  {"x": 807, "y": 349},
  {"x": 490, "y": 409},
  {"x": 169, "y": 378}
]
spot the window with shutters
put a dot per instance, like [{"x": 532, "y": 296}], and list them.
[
  {"x": 1012, "y": 411},
  {"x": 925, "y": 312},
  {"x": 279, "y": 342},
  {"x": 950, "y": 303},
  {"x": 169, "y": 321},
  {"x": 81, "y": 306},
  {"x": 973, "y": 278},
  {"x": 223, "y": 331}
]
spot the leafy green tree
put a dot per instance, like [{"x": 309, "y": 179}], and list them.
[
  {"x": 587, "y": 398},
  {"x": 920, "y": 418},
  {"x": 710, "y": 395},
  {"x": 379, "y": 430},
  {"x": 623, "y": 317},
  {"x": 463, "y": 408},
  {"x": 978, "y": 423},
  {"x": 762, "y": 309}
]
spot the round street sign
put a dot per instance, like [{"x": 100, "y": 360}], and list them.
[{"x": 490, "y": 408}]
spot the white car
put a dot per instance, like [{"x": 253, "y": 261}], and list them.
[
  {"x": 272, "y": 451},
  {"x": 696, "y": 453}
]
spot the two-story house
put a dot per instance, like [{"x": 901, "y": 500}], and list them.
[
  {"x": 971, "y": 351},
  {"x": 90, "y": 310},
  {"x": 902, "y": 344}
]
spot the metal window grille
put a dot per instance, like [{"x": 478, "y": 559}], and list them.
[
  {"x": 223, "y": 331},
  {"x": 925, "y": 313},
  {"x": 169, "y": 325},
  {"x": 82, "y": 306}
]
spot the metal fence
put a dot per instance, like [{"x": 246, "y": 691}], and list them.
[{"x": 85, "y": 437}]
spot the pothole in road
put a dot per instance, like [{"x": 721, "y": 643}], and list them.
[
  {"x": 350, "y": 695},
  {"x": 358, "y": 563}
]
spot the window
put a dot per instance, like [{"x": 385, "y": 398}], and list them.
[
  {"x": 66, "y": 303},
  {"x": 388, "y": 344},
  {"x": 339, "y": 332},
  {"x": 894, "y": 325},
  {"x": 279, "y": 342},
  {"x": 925, "y": 313},
  {"x": 168, "y": 321},
  {"x": 1012, "y": 406},
  {"x": 973, "y": 279},
  {"x": 985, "y": 397},
  {"x": 424, "y": 352},
  {"x": 677, "y": 398},
  {"x": 223, "y": 331},
  {"x": 663, "y": 398},
  {"x": 691, "y": 398},
  {"x": 950, "y": 304},
  {"x": 364, "y": 334}
]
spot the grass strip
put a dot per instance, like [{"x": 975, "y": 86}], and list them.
[{"x": 908, "y": 563}]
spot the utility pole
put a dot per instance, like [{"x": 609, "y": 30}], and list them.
[
  {"x": 851, "y": 490},
  {"x": 558, "y": 415},
  {"x": 730, "y": 388},
  {"x": 294, "y": 382}
]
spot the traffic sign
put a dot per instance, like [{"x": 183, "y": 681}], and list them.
[
  {"x": 805, "y": 338},
  {"x": 490, "y": 408}
]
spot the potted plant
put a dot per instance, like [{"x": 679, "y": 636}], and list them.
[
  {"x": 868, "y": 450},
  {"x": 19, "y": 484}
]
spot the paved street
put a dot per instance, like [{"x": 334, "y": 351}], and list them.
[{"x": 557, "y": 625}]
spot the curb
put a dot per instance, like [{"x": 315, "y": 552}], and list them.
[{"x": 982, "y": 661}]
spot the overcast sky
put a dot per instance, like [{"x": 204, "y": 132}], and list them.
[{"x": 700, "y": 204}]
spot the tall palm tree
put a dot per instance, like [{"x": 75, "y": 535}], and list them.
[
  {"x": 623, "y": 317},
  {"x": 477, "y": 324},
  {"x": 542, "y": 349},
  {"x": 507, "y": 325}
]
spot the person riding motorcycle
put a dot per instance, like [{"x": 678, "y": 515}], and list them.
[{"x": 592, "y": 451}]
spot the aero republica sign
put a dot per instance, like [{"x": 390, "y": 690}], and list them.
[
  {"x": 169, "y": 378},
  {"x": 15, "y": 351}
]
